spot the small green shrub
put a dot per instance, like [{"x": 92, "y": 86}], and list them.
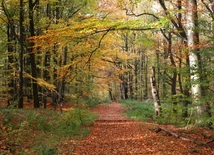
[
  {"x": 72, "y": 122},
  {"x": 92, "y": 101},
  {"x": 171, "y": 114},
  {"x": 46, "y": 147},
  {"x": 40, "y": 119}
]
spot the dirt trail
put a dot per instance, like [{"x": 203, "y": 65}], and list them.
[{"x": 113, "y": 134}]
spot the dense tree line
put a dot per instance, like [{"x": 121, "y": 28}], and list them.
[{"x": 63, "y": 47}]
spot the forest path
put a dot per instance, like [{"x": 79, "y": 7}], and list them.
[{"x": 113, "y": 134}]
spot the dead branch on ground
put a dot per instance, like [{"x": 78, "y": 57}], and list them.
[{"x": 183, "y": 138}]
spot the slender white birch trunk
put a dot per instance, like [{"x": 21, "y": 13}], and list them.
[
  {"x": 192, "y": 42},
  {"x": 155, "y": 94}
]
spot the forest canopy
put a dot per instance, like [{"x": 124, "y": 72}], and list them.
[{"x": 87, "y": 49}]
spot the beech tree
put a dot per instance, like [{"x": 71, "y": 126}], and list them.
[
  {"x": 32, "y": 5},
  {"x": 192, "y": 42},
  {"x": 155, "y": 93},
  {"x": 185, "y": 72},
  {"x": 8, "y": 14},
  {"x": 21, "y": 53},
  {"x": 80, "y": 48}
]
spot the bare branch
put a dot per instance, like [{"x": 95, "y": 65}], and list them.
[
  {"x": 145, "y": 13},
  {"x": 180, "y": 29},
  {"x": 99, "y": 44},
  {"x": 138, "y": 15},
  {"x": 9, "y": 20}
]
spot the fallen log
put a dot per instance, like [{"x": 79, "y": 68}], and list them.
[
  {"x": 183, "y": 138},
  {"x": 172, "y": 134}
]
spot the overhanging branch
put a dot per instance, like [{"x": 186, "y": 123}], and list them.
[
  {"x": 99, "y": 44},
  {"x": 106, "y": 31},
  {"x": 128, "y": 13},
  {"x": 181, "y": 31}
]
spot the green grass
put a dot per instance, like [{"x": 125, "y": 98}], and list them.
[
  {"x": 41, "y": 131},
  {"x": 171, "y": 114},
  {"x": 143, "y": 111}
]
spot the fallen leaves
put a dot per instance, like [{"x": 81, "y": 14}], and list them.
[{"x": 114, "y": 134}]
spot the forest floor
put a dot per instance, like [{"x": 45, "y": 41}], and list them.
[{"x": 113, "y": 133}]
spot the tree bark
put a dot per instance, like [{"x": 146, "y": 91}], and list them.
[
  {"x": 65, "y": 55},
  {"x": 32, "y": 55},
  {"x": 146, "y": 77},
  {"x": 174, "y": 72},
  {"x": 20, "y": 91},
  {"x": 155, "y": 93},
  {"x": 192, "y": 41},
  {"x": 125, "y": 85},
  {"x": 141, "y": 75},
  {"x": 136, "y": 96},
  {"x": 11, "y": 49},
  {"x": 131, "y": 86}
]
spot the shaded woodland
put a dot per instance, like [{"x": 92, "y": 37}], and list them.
[
  {"x": 156, "y": 57},
  {"x": 90, "y": 51}
]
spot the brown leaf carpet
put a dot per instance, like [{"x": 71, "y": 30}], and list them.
[{"x": 113, "y": 134}]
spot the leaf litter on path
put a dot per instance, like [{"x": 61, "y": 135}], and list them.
[{"x": 113, "y": 134}]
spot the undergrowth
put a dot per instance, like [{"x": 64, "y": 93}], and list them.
[
  {"x": 143, "y": 111},
  {"x": 41, "y": 131},
  {"x": 92, "y": 101},
  {"x": 170, "y": 114}
]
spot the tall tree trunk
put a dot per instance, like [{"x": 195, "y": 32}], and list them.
[
  {"x": 122, "y": 93},
  {"x": 146, "y": 77},
  {"x": 110, "y": 91},
  {"x": 32, "y": 55},
  {"x": 126, "y": 74},
  {"x": 131, "y": 85},
  {"x": 47, "y": 59},
  {"x": 11, "y": 40},
  {"x": 46, "y": 75},
  {"x": 136, "y": 79},
  {"x": 10, "y": 47},
  {"x": 186, "y": 89},
  {"x": 155, "y": 93},
  {"x": 178, "y": 24},
  {"x": 62, "y": 92},
  {"x": 140, "y": 74},
  {"x": 193, "y": 40},
  {"x": 20, "y": 91},
  {"x": 179, "y": 74},
  {"x": 174, "y": 72},
  {"x": 158, "y": 70},
  {"x": 125, "y": 85},
  {"x": 204, "y": 77}
]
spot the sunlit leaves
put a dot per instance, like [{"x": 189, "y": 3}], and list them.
[
  {"x": 93, "y": 42},
  {"x": 41, "y": 82},
  {"x": 79, "y": 30}
]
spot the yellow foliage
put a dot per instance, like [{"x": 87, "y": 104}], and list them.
[{"x": 41, "y": 82}]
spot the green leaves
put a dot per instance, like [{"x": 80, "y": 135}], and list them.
[
  {"x": 164, "y": 22},
  {"x": 94, "y": 26}
]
